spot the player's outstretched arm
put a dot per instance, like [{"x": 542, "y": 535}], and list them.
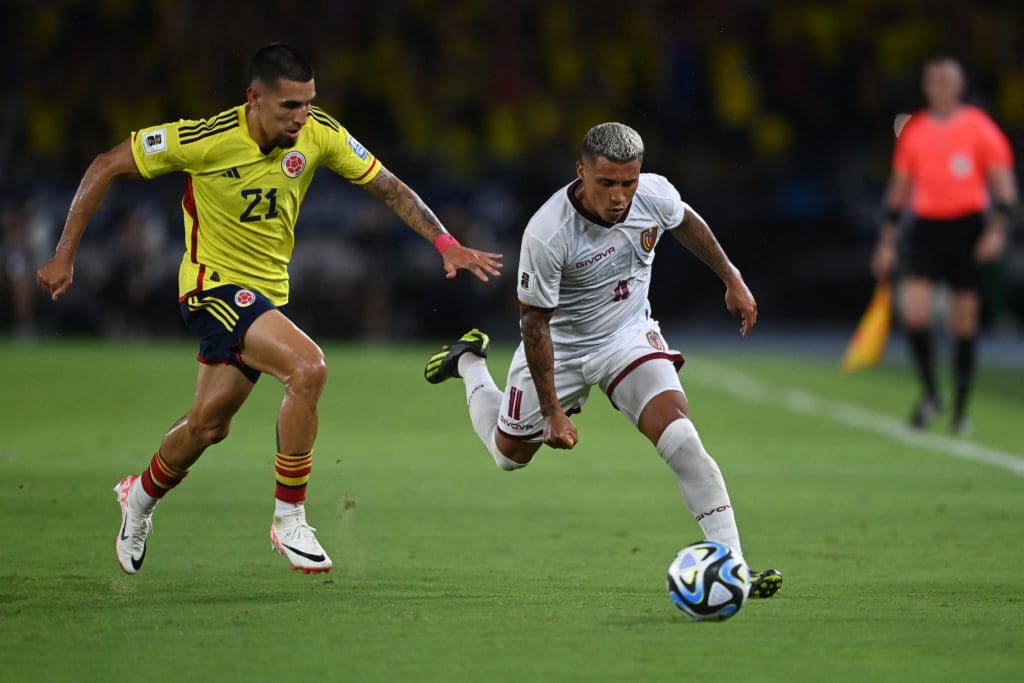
[
  {"x": 418, "y": 216},
  {"x": 694, "y": 234},
  {"x": 559, "y": 431},
  {"x": 55, "y": 276}
]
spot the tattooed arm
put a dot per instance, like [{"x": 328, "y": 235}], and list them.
[
  {"x": 694, "y": 234},
  {"x": 418, "y": 216},
  {"x": 407, "y": 204},
  {"x": 559, "y": 431}
]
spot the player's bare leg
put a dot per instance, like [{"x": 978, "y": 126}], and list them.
[
  {"x": 519, "y": 452},
  {"x": 665, "y": 421},
  {"x": 220, "y": 392},
  {"x": 917, "y": 311},
  {"x": 276, "y": 346},
  {"x": 964, "y": 313}
]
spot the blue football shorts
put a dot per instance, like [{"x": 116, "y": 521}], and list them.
[{"x": 220, "y": 317}]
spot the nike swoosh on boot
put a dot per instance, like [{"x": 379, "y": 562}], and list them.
[{"x": 308, "y": 556}]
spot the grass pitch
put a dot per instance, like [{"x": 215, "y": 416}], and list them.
[{"x": 902, "y": 559}]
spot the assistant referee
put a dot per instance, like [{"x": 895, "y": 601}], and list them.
[{"x": 953, "y": 168}]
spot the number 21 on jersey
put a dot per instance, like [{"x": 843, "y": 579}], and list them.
[{"x": 255, "y": 197}]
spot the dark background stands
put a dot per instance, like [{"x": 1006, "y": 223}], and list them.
[{"x": 774, "y": 119}]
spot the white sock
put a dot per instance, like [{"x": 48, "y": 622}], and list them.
[
  {"x": 700, "y": 482},
  {"x": 283, "y": 508},
  {"x": 139, "y": 499},
  {"x": 484, "y": 400}
]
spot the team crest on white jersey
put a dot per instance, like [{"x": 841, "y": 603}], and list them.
[
  {"x": 654, "y": 339},
  {"x": 648, "y": 238},
  {"x": 293, "y": 164},
  {"x": 244, "y": 298},
  {"x": 154, "y": 141}
]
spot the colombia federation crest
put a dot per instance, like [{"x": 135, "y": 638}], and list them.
[{"x": 293, "y": 164}]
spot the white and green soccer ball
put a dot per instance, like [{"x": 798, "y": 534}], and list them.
[{"x": 708, "y": 581}]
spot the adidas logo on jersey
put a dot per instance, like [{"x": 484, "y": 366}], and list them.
[{"x": 231, "y": 173}]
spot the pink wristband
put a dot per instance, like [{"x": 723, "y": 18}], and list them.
[{"x": 444, "y": 242}]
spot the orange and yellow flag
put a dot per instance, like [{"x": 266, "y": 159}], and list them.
[{"x": 867, "y": 346}]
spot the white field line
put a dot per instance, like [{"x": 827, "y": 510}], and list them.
[{"x": 748, "y": 388}]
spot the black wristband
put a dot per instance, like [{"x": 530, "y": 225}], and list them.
[
  {"x": 1003, "y": 208},
  {"x": 893, "y": 215}
]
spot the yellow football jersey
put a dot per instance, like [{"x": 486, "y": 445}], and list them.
[{"x": 240, "y": 205}]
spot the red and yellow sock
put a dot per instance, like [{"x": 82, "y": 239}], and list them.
[
  {"x": 292, "y": 472},
  {"x": 159, "y": 477}
]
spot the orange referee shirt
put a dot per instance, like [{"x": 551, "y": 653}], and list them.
[{"x": 948, "y": 161}]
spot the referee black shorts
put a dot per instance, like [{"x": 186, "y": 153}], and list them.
[{"x": 943, "y": 250}]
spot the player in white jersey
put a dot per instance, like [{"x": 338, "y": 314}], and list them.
[
  {"x": 593, "y": 274},
  {"x": 584, "y": 275}
]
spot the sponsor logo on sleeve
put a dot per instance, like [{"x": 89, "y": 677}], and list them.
[
  {"x": 357, "y": 148},
  {"x": 524, "y": 280},
  {"x": 154, "y": 141}
]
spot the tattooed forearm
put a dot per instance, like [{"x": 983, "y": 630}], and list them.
[
  {"x": 540, "y": 356},
  {"x": 406, "y": 203},
  {"x": 694, "y": 234}
]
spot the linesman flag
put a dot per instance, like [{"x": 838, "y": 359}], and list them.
[{"x": 867, "y": 346}]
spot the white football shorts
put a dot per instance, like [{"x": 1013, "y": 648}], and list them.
[{"x": 631, "y": 368}]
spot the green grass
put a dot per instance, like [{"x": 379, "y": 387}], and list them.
[{"x": 901, "y": 563}]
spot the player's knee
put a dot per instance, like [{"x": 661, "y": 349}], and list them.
[
  {"x": 209, "y": 430},
  {"x": 309, "y": 375},
  {"x": 217, "y": 434},
  {"x": 506, "y": 464},
  {"x": 511, "y": 455},
  {"x": 679, "y": 440}
]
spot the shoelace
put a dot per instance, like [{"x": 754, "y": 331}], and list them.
[
  {"x": 301, "y": 531},
  {"x": 298, "y": 530},
  {"x": 139, "y": 530}
]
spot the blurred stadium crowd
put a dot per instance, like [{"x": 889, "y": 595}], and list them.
[{"x": 773, "y": 118}]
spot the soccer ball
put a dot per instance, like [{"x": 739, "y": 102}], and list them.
[{"x": 708, "y": 580}]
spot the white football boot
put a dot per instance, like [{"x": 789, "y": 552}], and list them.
[
  {"x": 293, "y": 538},
  {"x": 135, "y": 527}
]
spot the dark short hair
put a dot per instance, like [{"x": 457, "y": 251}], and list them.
[
  {"x": 940, "y": 58},
  {"x": 273, "y": 62}
]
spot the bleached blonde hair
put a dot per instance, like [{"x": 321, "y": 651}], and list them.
[{"x": 614, "y": 141}]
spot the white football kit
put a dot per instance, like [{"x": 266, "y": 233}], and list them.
[{"x": 596, "y": 277}]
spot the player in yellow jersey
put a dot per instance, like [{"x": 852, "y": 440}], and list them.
[{"x": 246, "y": 173}]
